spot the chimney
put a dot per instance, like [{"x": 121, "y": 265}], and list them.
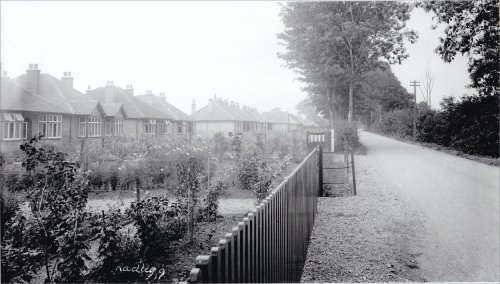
[
  {"x": 33, "y": 74},
  {"x": 109, "y": 92},
  {"x": 193, "y": 107},
  {"x": 210, "y": 105},
  {"x": 129, "y": 90},
  {"x": 5, "y": 75},
  {"x": 149, "y": 92},
  {"x": 88, "y": 90},
  {"x": 163, "y": 98},
  {"x": 67, "y": 79}
]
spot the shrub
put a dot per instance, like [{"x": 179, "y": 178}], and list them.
[
  {"x": 220, "y": 143},
  {"x": 208, "y": 211},
  {"x": 248, "y": 169},
  {"x": 158, "y": 223},
  {"x": 21, "y": 250},
  {"x": 9, "y": 207}
]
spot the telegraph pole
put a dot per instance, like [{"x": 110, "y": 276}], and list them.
[{"x": 415, "y": 84}]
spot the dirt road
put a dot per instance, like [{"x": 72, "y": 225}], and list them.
[{"x": 458, "y": 201}]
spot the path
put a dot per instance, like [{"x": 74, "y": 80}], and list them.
[
  {"x": 459, "y": 201},
  {"x": 419, "y": 214}
]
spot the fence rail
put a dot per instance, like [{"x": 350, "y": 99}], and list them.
[{"x": 270, "y": 244}]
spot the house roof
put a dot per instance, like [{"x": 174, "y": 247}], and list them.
[
  {"x": 134, "y": 107},
  {"x": 281, "y": 117},
  {"x": 61, "y": 94},
  {"x": 85, "y": 107},
  {"x": 119, "y": 96},
  {"x": 224, "y": 111},
  {"x": 13, "y": 97},
  {"x": 163, "y": 106},
  {"x": 112, "y": 109}
]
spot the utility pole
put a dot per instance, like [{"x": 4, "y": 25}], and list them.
[{"x": 415, "y": 84}]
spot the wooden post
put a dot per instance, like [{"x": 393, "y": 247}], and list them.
[
  {"x": 204, "y": 264},
  {"x": 137, "y": 192},
  {"x": 235, "y": 255},
  {"x": 320, "y": 169},
  {"x": 222, "y": 270},
  {"x": 246, "y": 249},
  {"x": 241, "y": 252},
  {"x": 216, "y": 267},
  {"x": 195, "y": 276},
  {"x": 353, "y": 172},
  {"x": 229, "y": 258}
]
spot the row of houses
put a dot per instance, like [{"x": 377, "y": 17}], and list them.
[{"x": 36, "y": 102}]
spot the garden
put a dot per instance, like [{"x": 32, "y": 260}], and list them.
[{"x": 131, "y": 211}]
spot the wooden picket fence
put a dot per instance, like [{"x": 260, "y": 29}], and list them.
[{"x": 270, "y": 244}]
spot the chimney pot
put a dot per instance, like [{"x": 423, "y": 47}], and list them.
[
  {"x": 193, "y": 107},
  {"x": 210, "y": 105},
  {"x": 33, "y": 76},
  {"x": 67, "y": 79}
]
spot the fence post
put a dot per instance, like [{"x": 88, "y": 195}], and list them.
[
  {"x": 320, "y": 173},
  {"x": 353, "y": 171},
  {"x": 242, "y": 251},
  {"x": 252, "y": 250},
  {"x": 216, "y": 268},
  {"x": 195, "y": 276},
  {"x": 222, "y": 261},
  {"x": 203, "y": 263},
  {"x": 235, "y": 240},
  {"x": 229, "y": 259}
]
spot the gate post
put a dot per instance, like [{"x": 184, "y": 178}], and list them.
[{"x": 320, "y": 170}]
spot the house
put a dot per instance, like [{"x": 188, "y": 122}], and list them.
[
  {"x": 144, "y": 119},
  {"x": 180, "y": 124},
  {"x": 282, "y": 121},
  {"x": 23, "y": 115},
  {"x": 227, "y": 118},
  {"x": 77, "y": 116}
]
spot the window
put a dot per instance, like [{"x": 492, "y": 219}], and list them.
[
  {"x": 149, "y": 126},
  {"x": 50, "y": 126},
  {"x": 82, "y": 127},
  {"x": 118, "y": 126},
  {"x": 108, "y": 127},
  {"x": 163, "y": 127},
  {"x": 13, "y": 126},
  {"x": 179, "y": 127},
  {"x": 94, "y": 123}
]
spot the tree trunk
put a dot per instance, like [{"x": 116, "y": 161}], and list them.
[{"x": 351, "y": 107}]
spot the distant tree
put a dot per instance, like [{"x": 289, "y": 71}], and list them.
[
  {"x": 472, "y": 30},
  {"x": 329, "y": 42},
  {"x": 427, "y": 85}
]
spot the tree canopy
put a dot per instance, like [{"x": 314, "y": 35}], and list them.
[
  {"x": 472, "y": 30},
  {"x": 332, "y": 43}
]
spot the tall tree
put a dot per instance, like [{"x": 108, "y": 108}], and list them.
[
  {"x": 328, "y": 42},
  {"x": 472, "y": 30},
  {"x": 427, "y": 86}
]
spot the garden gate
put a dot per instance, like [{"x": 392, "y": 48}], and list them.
[
  {"x": 315, "y": 139},
  {"x": 270, "y": 244}
]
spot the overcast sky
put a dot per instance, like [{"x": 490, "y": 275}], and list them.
[{"x": 187, "y": 50}]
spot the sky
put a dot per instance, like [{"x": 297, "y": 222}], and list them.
[{"x": 187, "y": 50}]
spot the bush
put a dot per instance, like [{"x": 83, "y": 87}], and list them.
[
  {"x": 469, "y": 125},
  {"x": 248, "y": 169},
  {"x": 9, "y": 207},
  {"x": 158, "y": 224},
  {"x": 210, "y": 206}
]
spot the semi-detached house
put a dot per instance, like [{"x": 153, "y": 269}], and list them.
[
  {"x": 42, "y": 103},
  {"x": 148, "y": 117},
  {"x": 228, "y": 118}
]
